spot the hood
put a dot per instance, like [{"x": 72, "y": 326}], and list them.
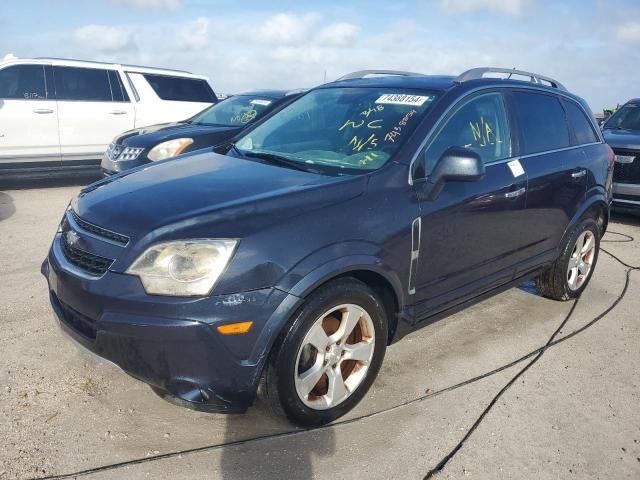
[
  {"x": 165, "y": 193},
  {"x": 151, "y": 136},
  {"x": 629, "y": 140}
]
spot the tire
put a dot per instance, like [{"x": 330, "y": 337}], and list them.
[
  {"x": 295, "y": 363},
  {"x": 567, "y": 277}
]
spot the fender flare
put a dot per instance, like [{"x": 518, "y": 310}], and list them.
[{"x": 598, "y": 199}]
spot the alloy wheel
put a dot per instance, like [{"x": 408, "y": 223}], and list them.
[
  {"x": 334, "y": 357},
  {"x": 581, "y": 260}
]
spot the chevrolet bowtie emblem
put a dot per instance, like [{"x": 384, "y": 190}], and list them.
[{"x": 72, "y": 237}]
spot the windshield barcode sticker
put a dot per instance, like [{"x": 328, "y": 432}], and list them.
[
  {"x": 403, "y": 99},
  {"x": 264, "y": 103}
]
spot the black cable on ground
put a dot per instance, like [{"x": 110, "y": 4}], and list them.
[
  {"x": 538, "y": 354},
  {"x": 535, "y": 353}
]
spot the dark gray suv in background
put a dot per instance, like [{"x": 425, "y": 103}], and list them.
[{"x": 622, "y": 132}]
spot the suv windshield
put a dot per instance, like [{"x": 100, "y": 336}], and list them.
[
  {"x": 339, "y": 129},
  {"x": 235, "y": 111},
  {"x": 627, "y": 118}
]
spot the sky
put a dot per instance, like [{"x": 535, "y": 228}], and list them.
[{"x": 591, "y": 46}]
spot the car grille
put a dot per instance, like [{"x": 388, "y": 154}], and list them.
[
  {"x": 627, "y": 172},
  {"x": 99, "y": 231},
  {"x": 92, "y": 264},
  {"x": 80, "y": 323},
  {"x": 117, "y": 152}
]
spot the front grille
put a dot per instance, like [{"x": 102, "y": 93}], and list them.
[
  {"x": 627, "y": 172},
  {"x": 87, "y": 262},
  {"x": 80, "y": 323},
  {"x": 101, "y": 232},
  {"x": 117, "y": 152}
]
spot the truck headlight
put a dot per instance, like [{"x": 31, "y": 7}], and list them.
[
  {"x": 183, "y": 268},
  {"x": 168, "y": 149}
]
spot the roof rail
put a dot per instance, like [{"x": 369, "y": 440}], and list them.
[
  {"x": 112, "y": 63},
  {"x": 365, "y": 73},
  {"x": 476, "y": 73}
]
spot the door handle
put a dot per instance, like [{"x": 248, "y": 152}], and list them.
[
  {"x": 42, "y": 110},
  {"x": 578, "y": 174},
  {"x": 515, "y": 193},
  {"x": 118, "y": 112}
]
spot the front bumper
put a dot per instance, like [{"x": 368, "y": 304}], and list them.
[
  {"x": 626, "y": 195},
  {"x": 111, "y": 167},
  {"x": 168, "y": 342}
]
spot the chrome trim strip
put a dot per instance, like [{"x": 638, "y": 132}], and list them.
[
  {"x": 454, "y": 103},
  {"x": 633, "y": 202},
  {"x": 415, "y": 253}
]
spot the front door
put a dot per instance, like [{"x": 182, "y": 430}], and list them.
[
  {"x": 473, "y": 234},
  {"x": 28, "y": 115},
  {"x": 90, "y": 112}
]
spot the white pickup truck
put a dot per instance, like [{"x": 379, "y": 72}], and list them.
[{"x": 63, "y": 113}]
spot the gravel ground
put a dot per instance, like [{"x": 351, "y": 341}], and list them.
[{"x": 572, "y": 414}]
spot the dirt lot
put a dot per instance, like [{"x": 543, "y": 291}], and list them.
[{"x": 574, "y": 413}]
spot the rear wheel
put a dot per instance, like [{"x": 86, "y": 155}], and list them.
[
  {"x": 329, "y": 356},
  {"x": 569, "y": 275}
]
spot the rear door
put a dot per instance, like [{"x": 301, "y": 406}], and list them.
[
  {"x": 473, "y": 234},
  {"x": 93, "y": 108},
  {"x": 168, "y": 98},
  {"x": 28, "y": 114},
  {"x": 551, "y": 161}
]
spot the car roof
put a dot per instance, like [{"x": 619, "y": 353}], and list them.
[
  {"x": 422, "y": 82},
  {"x": 267, "y": 93},
  {"x": 88, "y": 63},
  {"x": 634, "y": 100}
]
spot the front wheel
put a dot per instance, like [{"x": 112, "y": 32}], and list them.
[
  {"x": 330, "y": 354},
  {"x": 569, "y": 275}
]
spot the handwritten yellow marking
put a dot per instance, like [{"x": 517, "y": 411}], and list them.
[
  {"x": 359, "y": 143},
  {"x": 352, "y": 124}
]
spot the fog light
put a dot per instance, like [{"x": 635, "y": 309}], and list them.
[{"x": 235, "y": 328}]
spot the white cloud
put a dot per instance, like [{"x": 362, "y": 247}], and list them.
[
  {"x": 511, "y": 7},
  {"x": 155, "y": 4},
  {"x": 193, "y": 35},
  {"x": 628, "y": 32},
  {"x": 104, "y": 38},
  {"x": 284, "y": 29},
  {"x": 338, "y": 34}
]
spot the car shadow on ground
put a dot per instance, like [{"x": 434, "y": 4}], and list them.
[
  {"x": 7, "y": 207},
  {"x": 626, "y": 217},
  {"x": 275, "y": 455}
]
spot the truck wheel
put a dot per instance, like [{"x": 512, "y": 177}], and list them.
[{"x": 329, "y": 354}]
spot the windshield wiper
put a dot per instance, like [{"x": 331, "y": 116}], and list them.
[{"x": 278, "y": 159}]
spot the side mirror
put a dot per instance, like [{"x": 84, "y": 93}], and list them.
[{"x": 455, "y": 165}]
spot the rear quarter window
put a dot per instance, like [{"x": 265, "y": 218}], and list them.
[
  {"x": 582, "y": 128},
  {"x": 181, "y": 89},
  {"x": 542, "y": 122}
]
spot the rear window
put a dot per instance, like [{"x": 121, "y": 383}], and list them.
[
  {"x": 181, "y": 89},
  {"x": 86, "y": 84},
  {"x": 24, "y": 82},
  {"x": 582, "y": 129},
  {"x": 542, "y": 122}
]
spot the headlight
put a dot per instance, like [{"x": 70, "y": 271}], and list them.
[
  {"x": 183, "y": 268},
  {"x": 169, "y": 149}
]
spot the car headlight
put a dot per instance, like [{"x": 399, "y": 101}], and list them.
[
  {"x": 183, "y": 268},
  {"x": 169, "y": 149}
]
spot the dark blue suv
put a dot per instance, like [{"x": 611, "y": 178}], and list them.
[{"x": 291, "y": 258}]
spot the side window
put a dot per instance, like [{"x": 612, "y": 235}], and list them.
[
  {"x": 542, "y": 122},
  {"x": 87, "y": 84},
  {"x": 480, "y": 125},
  {"x": 117, "y": 89},
  {"x": 582, "y": 129},
  {"x": 24, "y": 82},
  {"x": 181, "y": 89}
]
